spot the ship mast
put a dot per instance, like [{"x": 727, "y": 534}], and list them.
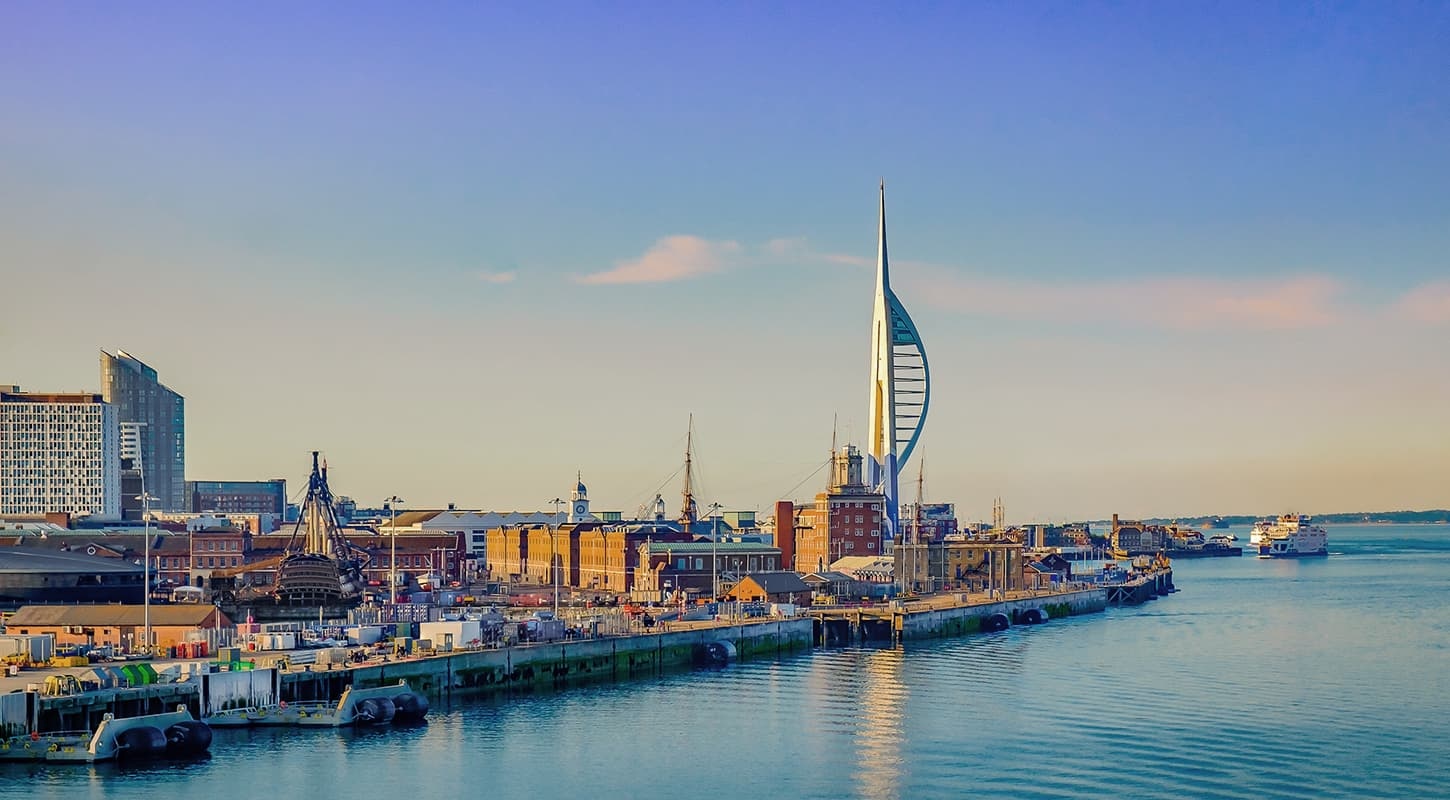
[{"x": 687, "y": 505}]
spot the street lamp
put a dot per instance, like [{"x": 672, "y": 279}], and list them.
[
  {"x": 393, "y": 557},
  {"x": 715, "y": 553},
  {"x": 146, "y": 498},
  {"x": 554, "y": 553}
]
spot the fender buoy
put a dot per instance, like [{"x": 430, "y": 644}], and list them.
[{"x": 34, "y": 736}]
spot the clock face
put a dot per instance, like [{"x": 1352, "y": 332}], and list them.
[{"x": 578, "y": 508}]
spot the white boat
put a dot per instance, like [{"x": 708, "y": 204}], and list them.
[{"x": 1290, "y": 536}]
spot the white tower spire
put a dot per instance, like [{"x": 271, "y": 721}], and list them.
[{"x": 900, "y": 385}]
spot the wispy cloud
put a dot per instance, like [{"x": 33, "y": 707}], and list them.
[
  {"x": 677, "y": 258},
  {"x": 672, "y": 258},
  {"x": 1429, "y": 303},
  {"x": 1298, "y": 301},
  {"x": 497, "y": 277}
]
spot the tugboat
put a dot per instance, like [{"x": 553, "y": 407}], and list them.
[{"x": 1290, "y": 536}]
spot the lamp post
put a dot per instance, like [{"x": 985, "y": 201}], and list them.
[
  {"x": 393, "y": 556},
  {"x": 554, "y": 553},
  {"x": 715, "y": 553},
  {"x": 146, "y": 497}
]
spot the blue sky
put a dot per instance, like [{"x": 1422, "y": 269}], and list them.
[{"x": 1167, "y": 258}]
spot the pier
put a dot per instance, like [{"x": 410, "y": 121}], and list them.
[{"x": 949, "y": 615}]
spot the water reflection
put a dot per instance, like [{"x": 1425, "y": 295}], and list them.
[{"x": 879, "y": 738}]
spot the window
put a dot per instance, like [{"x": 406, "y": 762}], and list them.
[{"x": 870, "y": 545}]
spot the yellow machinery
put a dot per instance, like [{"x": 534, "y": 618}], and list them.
[{"x": 61, "y": 685}]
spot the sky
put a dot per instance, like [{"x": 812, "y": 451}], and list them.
[{"x": 1166, "y": 258}]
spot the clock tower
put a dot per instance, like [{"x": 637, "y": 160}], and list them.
[{"x": 579, "y": 501}]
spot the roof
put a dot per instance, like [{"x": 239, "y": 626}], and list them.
[
  {"x": 708, "y": 547},
  {"x": 407, "y": 519},
  {"x": 828, "y": 577},
  {"x": 778, "y": 582},
  {"x": 112, "y": 615},
  {"x": 32, "y": 559}
]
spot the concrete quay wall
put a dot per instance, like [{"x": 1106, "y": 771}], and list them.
[
  {"x": 557, "y": 664},
  {"x": 961, "y": 620}
]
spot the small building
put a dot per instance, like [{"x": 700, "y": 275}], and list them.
[
  {"x": 771, "y": 587},
  {"x": 834, "y": 585},
  {"x": 122, "y": 626}
]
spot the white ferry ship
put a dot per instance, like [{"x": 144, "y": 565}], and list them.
[{"x": 1289, "y": 536}]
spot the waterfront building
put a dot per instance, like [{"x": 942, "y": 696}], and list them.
[
  {"x": 900, "y": 387},
  {"x": 695, "y": 567},
  {"x": 835, "y": 586},
  {"x": 848, "y": 519},
  {"x": 246, "y": 497},
  {"x": 37, "y": 574},
  {"x": 59, "y": 453},
  {"x": 875, "y": 573},
  {"x": 782, "y": 586},
  {"x": 609, "y": 556},
  {"x": 121, "y": 626},
  {"x": 959, "y": 565},
  {"x": 155, "y": 420}
]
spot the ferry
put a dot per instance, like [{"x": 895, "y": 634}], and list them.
[{"x": 1290, "y": 536}]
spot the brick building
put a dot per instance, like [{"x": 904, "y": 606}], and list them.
[
  {"x": 121, "y": 626},
  {"x": 845, "y": 520},
  {"x": 692, "y": 567}
]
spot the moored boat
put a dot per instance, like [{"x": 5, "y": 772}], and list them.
[{"x": 172, "y": 734}]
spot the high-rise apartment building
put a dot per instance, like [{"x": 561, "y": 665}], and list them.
[
  {"x": 58, "y": 453},
  {"x": 154, "y": 418}
]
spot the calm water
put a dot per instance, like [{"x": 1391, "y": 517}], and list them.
[{"x": 1320, "y": 678}]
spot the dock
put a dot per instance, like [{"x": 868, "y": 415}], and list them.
[
  {"x": 522, "y": 667},
  {"x": 961, "y": 613},
  {"x": 950, "y": 615}
]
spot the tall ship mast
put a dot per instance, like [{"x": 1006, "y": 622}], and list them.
[{"x": 319, "y": 568}]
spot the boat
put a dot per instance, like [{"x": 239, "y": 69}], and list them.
[
  {"x": 1290, "y": 536},
  {"x": 378, "y": 705},
  {"x": 320, "y": 571},
  {"x": 171, "y": 734}
]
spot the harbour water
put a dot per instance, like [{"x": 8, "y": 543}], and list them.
[{"x": 1260, "y": 679}]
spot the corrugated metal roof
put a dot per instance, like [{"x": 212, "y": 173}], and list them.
[
  {"x": 112, "y": 615},
  {"x": 32, "y": 559}
]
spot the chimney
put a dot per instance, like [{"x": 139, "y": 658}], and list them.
[{"x": 785, "y": 533}]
